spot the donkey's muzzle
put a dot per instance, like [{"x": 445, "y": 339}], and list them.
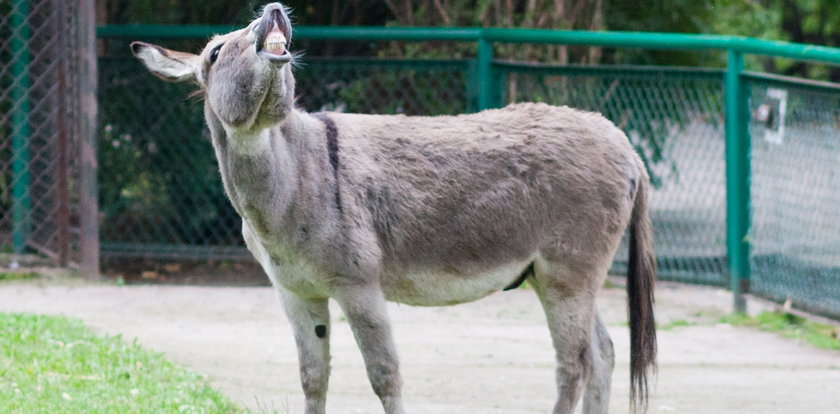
[{"x": 272, "y": 34}]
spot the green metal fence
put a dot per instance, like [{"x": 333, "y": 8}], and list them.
[
  {"x": 745, "y": 165},
  {"x": 795, "y": 235}
]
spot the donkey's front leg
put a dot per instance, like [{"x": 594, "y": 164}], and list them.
[
  {"x": 364, "y": 307},
  {"x": 310, "y": 319}
]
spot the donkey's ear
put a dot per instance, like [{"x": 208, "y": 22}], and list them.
[{"x": 166, "y": 64}]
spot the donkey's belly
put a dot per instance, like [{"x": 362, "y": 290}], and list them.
[{"x": 449, "y": 287}]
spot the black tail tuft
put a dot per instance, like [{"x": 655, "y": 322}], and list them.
[{"x": 641, "y": 277}]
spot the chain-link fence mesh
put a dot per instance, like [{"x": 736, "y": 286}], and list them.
[
  {"x": 161, "y": 194},
  {"x": 38, "y": 137},
  {"x": 411, "y": 87},
  {"x": 796, "y": 192}
]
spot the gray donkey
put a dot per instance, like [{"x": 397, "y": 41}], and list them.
[{"x": 425, "y": 211}]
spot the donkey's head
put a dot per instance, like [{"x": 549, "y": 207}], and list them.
[{"x": 245, "y": 75}]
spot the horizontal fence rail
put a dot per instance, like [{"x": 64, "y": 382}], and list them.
[
  {"x": 716, "y": 207},
  {"x": 645, "y": 40}
]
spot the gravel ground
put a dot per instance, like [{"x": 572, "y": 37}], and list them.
[{"x": 491, "y": 356}]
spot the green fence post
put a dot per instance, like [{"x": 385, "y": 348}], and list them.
[
  {"x": 737, "y": 180},
  {"x": 20, "y": 124},
  {"x": 472, "y": 86},
  {"x": 484, "y": 79},
  {"x": 498, "y": 95}
]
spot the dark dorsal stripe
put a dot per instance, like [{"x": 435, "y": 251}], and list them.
[
  {"x": 529, "y": 271},
  {"x": 332, "y": 150}
]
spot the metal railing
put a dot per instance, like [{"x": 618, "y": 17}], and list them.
[{"x": 699, "y": 122}]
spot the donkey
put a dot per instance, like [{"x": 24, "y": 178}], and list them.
[{"x": 426, "y": 211}]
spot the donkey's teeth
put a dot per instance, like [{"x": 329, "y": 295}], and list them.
[{"x": 275, "y": 43}]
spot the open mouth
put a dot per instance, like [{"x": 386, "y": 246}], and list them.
[{"x": 273, "y": 34}]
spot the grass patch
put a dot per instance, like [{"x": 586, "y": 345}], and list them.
[
  {"x": 790, "y": 326},
  {"x": 678, "y": 323},
  {"x": 52, "y": 364},
  {"x": 609, "y": 284},
  {"x": 6, "y": 276}
]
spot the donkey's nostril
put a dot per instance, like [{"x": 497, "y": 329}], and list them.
[{"x": 276, "y": 16}]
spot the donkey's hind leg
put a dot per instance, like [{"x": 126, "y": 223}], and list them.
[
  {"x": 568, "y": 298},
  {"x": 596, "y": 399}
]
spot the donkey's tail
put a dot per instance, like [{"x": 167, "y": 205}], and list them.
[{"x": 641, "y": 276}]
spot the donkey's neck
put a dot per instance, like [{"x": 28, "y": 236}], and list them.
[
  {"x": 259, "y": 169},
  {"x": 282, "y": 179}
]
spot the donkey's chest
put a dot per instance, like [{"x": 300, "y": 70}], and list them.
[{"x": 285, "y": 266}]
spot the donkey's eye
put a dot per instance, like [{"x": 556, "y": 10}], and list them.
[{"x": 214, "y": 54}]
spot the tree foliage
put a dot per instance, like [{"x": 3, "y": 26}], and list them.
[
  {"x": 808, "y": 21},
  {"x": 805, "y": 21}
]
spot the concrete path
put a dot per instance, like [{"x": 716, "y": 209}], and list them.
[{"x": 491, "y": 357}]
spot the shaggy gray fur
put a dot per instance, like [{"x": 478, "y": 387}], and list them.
[{"x": 423, "y": 210}]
